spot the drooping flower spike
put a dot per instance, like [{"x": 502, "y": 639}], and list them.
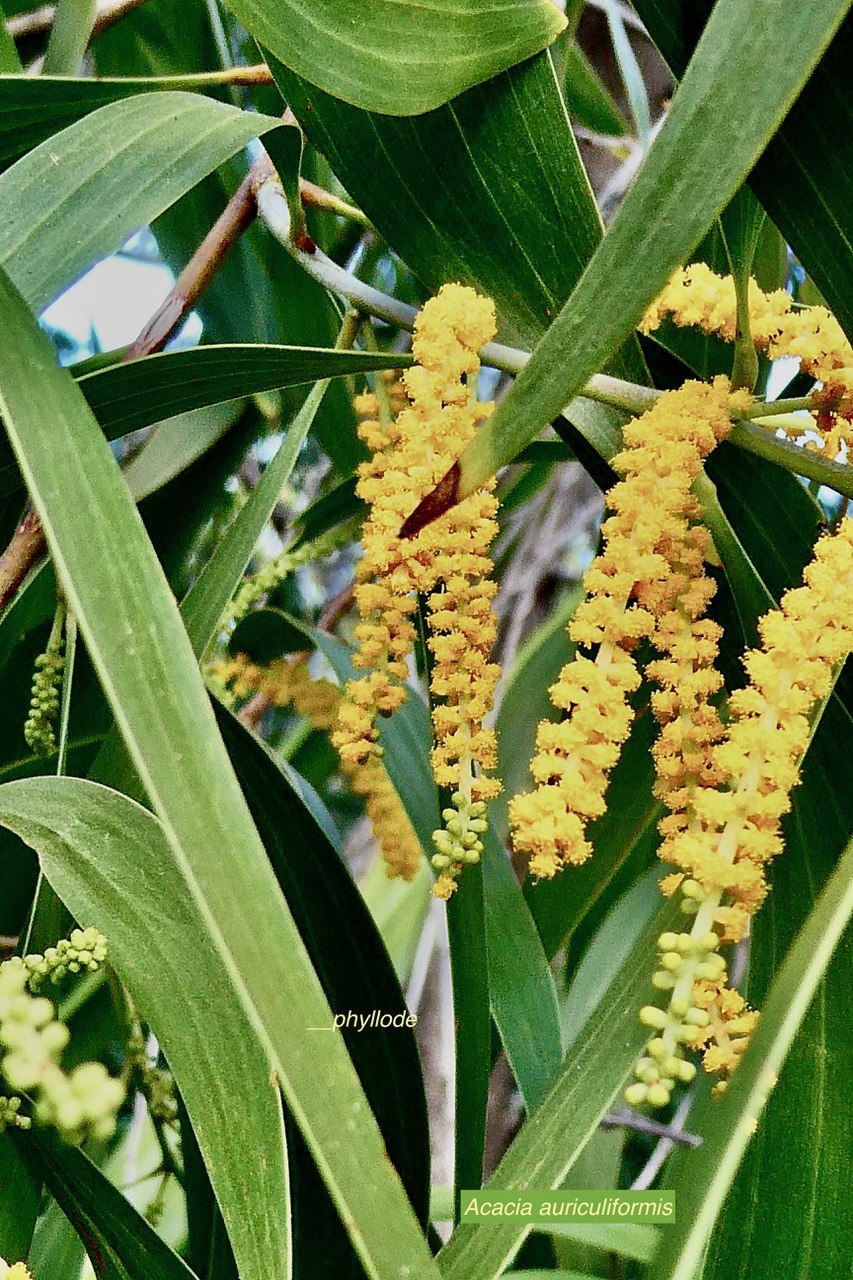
[
  {"x": 722, "y": 851},
  {"x": 647, "y": 584},
  {"x": 84, "y": 951},
  {"x": 447, "y": 563},
  {"x": 288, "y": 682},
  {"x": 78, "y": 1104}
]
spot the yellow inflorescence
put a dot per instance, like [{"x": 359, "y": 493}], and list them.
[
  {"x": 726, "y": 787},
  {"x": 289, "y": 682},
  {"x": 723, "y": 838},
  {"x": 646, "y": 584},
  {"x": 688, "y": 679},
  {"x": 411, "y": 454},
  {"x": 803, "y": 643},
  {"x": 447, "y": 561},
  {"x": 697, "y": 296}
]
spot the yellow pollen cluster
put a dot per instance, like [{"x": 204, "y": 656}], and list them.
[
  {"x": 447, "y": 562},
  {"x": 697, "y": 296},
  {"x": 289, "y": 683},
  {"x": 647, "y": 584},
  {"x": 803, "y": 644},
  {"x": 723, "y": 838},
  {"x": 731, "y": 1024}
]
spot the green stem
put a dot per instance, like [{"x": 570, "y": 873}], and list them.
[
  {"x": 803, "y": 462},
  {"x": 67, "y": 677},
  {"x": 634, "y": 398},
  {"x": 469, "y": 975},
  {"x": 274, "y": 213},
  {"x": 772, "y": 408}
]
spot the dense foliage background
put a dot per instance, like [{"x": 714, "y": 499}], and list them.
[{"x": 209, "y": 830}]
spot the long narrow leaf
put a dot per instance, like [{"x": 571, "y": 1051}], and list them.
[
  {"x": 521, "y": 989},
  {"x": 109, "y": 861},
  {"x": 803, "y": 179},
  {"x": 121, "y": 1245},
  {"x": 146, "y": 665},
  {"x": 466, "y": 934},
  {"x": 77, "y": 196},
  {"x": 714, "y": 1167},
  {"x": 33, "y": 108},
  {"x": 128, "y": 396},
  {"x": 203, "y": 606},
  {"x": 550, "y": 1141},
  {"x": 489, "y": 189},
  {"x": 125, "y": 397},
  {"x": 19, "y": 1205},
  {"x": 752, "y": 60},
  {"x": 407, "y": 57}
]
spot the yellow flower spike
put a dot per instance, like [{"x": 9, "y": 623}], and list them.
[
  {"x": 447, "y": 562},
  {"x": 805, "y": 641},
  {"x": 644, "y": 583},
  {"x": 401, "y": 850},
  {"x": 288, "y": 682},
  {"x": 732, "y": 833},
  {"x": 696, "y": 296},
  {"x": 410, "y": 456}
]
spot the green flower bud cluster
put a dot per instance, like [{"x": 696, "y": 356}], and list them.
[
  {"x": 47, "y": 689},
  {"x": 683, "y": 960},
  {"x": 10, "y": 1117},
  {"x": 83, "y": 1104},
  {"x": 692, "y": 896},
  {"x": 273, "y": 574},
  {"x": 155, "y": 1085},
  {"x": 84, "y": 951},
  {"x": 458, "y": 842},
  {"x": 32, "y": 1040}
]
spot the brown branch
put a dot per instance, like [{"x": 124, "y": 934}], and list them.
[
  {"x": 39, "y": 20},
  {"x": 246, "y": 77},
  {"x": 337, "y": 607},
  {"x": 643, "y": 1124},
  {"x": 251, "y": 714},
  {"x": 28, "y": 544},
  {"x": 198, "y": 274},
  {"x": 22, "y": 554}
]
